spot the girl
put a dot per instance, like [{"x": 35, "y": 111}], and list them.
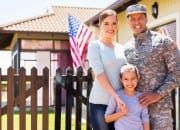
[{"x": 133, "y": 116}]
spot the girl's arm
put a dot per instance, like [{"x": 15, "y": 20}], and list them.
[
  {"x": 146, "y": 126},
  {"x": 117, "y": 115},
  {"x": 145, "y": 118}
]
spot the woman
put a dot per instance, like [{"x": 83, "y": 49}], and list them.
[{"x": 106, "y": 58}]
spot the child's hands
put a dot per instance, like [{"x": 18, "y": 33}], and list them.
[
  {"x": 123, "y": 107},
  {"x": 124, "y": 110}
]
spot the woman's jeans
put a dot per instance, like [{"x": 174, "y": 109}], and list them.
[{"x": 97, "y": 112}]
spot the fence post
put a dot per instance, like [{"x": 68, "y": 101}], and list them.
[
  {"x": 58, "y": 91},
  {"x": 10, "y": 98},
  {"x": 69, "y": 97},
  {"x": 34, "y": 98},
  {"x": 45, "y": 110},
  {"x": 0, "y": 101},
  {"x": 79, "y": 97},
  {"x": 22, "y": 101},
  {"x": 89, "y": 86},
  {"x": 177, "y": 109}
]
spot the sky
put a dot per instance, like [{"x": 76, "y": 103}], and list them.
[{"x": 12, "y": 10}]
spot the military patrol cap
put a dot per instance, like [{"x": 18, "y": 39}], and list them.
[{"x": 137, "y": 8}]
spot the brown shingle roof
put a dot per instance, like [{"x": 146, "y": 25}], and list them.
[{"x": 55, "y": 21}]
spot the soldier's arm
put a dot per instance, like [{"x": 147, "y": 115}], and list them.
[{"x": 171, "y": 81}]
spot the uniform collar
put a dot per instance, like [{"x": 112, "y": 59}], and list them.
[{"x": 140, "y": 38}]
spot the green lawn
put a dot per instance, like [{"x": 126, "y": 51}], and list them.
[{"x": 28, "y": 122}]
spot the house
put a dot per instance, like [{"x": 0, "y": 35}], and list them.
[
  {"x": 166, "y": 18},
  {"x": 42, "y": 41}
]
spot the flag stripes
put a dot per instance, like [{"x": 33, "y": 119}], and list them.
[{"x": 79, "y": 36}]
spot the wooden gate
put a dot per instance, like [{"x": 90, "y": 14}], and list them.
[
  {"x": 74, "y": 85},
  {"x": 36, "y": 82}
]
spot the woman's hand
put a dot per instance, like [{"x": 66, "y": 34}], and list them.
[{"x": 119, "y": 102}]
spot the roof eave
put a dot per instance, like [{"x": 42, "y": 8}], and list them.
[{"x": 118, "y": 6}]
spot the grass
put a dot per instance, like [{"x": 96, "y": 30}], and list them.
[{"x": 39, "y": 122}]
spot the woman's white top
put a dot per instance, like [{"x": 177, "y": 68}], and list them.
[{"x": 103, "y": 58}]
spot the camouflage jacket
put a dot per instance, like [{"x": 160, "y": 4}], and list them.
[{"x": 153, "y": 55}]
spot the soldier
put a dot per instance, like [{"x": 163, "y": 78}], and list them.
[{"x": 153, "y": 55}]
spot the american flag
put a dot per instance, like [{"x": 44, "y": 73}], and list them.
[{"x": 79, "y": 36}]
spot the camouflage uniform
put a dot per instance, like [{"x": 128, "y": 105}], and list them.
[{"x": 151, "y": 52}]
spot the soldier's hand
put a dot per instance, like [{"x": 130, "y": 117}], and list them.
[{"x": 148, "y": 98}]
